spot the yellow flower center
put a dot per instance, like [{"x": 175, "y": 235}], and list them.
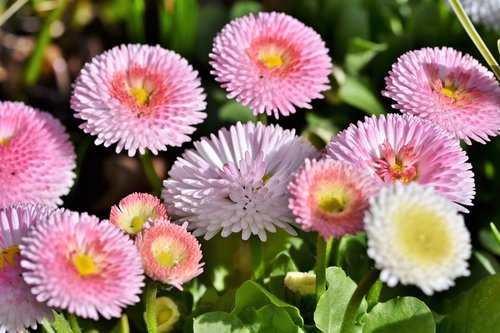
[
  {"x": 266, "y": 177},
  {"x": 4, "y": 141},
  {"x": 423, "y": 234},
  {"x": 141, "y": 96},
  {"x": 271, "y": 60},
  {"x": 84, "y": 264},
  {"x": 331, "y": 199},
  {"x": 166, "y": 259},
  {"x": 137, "y": 223},
  {"x": 7, "y": 256},
  {"x": 450, "y": 91}
]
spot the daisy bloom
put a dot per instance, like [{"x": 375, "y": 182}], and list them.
[
  {"x": 300, "y": 282},
  {"x": 451, "y": 89},
  {"x": 134, "y": 210},
  {"x": 237, "y": 181},
  {"x": 404, "y": 148},
  {"x": 77, "y": 263},
  {"x": 167, "y": 314},
  {"x": 36, "y": 157},
  {"x": 416, "y": 236},
  {"x": 18, "y": 307},
  {"x": 140, "y": 97},
  {"x": 170, "y": 254},
  {"x": 331, "y": 197},
  {"x": 271, "y": 62},
  {"x": 485, "y": 12}
]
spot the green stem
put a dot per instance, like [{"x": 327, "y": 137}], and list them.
[
  {"x": 357, "y": 297},
  {"x": 136, "y": 24},
  {"x": 149, "y": 171},
  {"x": 257, "y": 258},
  {"x": 151, "y": 290},
  {"x": 373, "y": 295},
  {"x": 496, "y": 234},
  {"x": 262, "y": 117},
  {"x": 12, "y": 10},
  {"x": 46, "y": 325},
  {"x": 73, "y": 323},
  {"x": 320, "y": 267},
  {"x": 329, "y": 250},
  {"x": 35, "y": 63},
  {"x": 471, "y": 31}
]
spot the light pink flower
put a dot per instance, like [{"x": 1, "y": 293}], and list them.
[
  {"x": 140, "y": 97},
  {"x": 170, "y": 254},
  {"x": 134, "y": 210},
  {"x": 271, "y": 62},
  {"x": 36, "y": 157},
  {"x": 451, "y": 89},
  {"x": 237, "y": 181},
  {"x": 331, "y": 197},
  {"x": 18, "y": 307},
  {"x": 76, "y": 263},
  {"x": 405, "y": 148}
]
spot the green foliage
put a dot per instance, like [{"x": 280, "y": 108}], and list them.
[
  {"x": 233, "y": 111},
  {"x": 242, "y": 8},
  {"x": 219, "y": 322},
  {"x": 356, "y": 93}
]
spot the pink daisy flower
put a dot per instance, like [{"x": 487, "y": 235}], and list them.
[
  {"x": 271, "y": 62},
  {"x": 451, "y": 89},
  {"x": 140, "y": 97},
  {"x": 18, "y": 307},
  {"x": 331, "y": 197},
  {"x": 76, "y": 263},
  {"x": 237, "y": 181},
  {"x": 170, "y": 254},
  {"x": 36, "y": 157},
  {"x": 134, "y": 210},
  {"x": 407, "y": 149}
]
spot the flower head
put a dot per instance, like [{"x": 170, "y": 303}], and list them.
[
  {"x": 416, "y": 236},
  {"x": 134, "y": 210},
  {"x": 485, "y": 12},
  {"x": 237, "y": 181},
  {"x": 167, "y": 314},
  {"x": 272, "y": 62},
  {"x": 77, "y": 263},
  {"x": 448, "y": 88},
  {"x": 404, "y": 148},
  {"x": 300, "y": 282},
  {"x": 140, "y": 97},
  {"x": 36, "y": 157},
  {"x": 331, "y": 197},
  {"x": 18, "y": 307},
  {"x": 170, "y": 254}
]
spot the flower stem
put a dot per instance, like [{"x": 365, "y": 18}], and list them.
[
  {"x": 73, "y": 323},
  {"x": 471, "y": 31},
  {"x": 151, "y": 290},
  {"x": 357, "y": 297},
  {"x": 496, "y": 234},
  {"x": 149, "y": 171},
  {"x": 320, "y": 267},
  {"x": 262, "y": 117}
]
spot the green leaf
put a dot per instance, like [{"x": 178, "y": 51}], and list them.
[
  {"x": 219, "y": 322},
  {"x": 333, "y": 303},
  {"x": 496, "y": 233},
  {"x": 488, "y": 262},
  {"x": 242, "y": 8},
  {"x": 184, "y": 23},
  {"x": 122, "y": 326},
  {"x": 252, "y": 295},
  {"x": 352, "y": 256},
  {"x": 405, "y": 314},
  {"x": 357, "y": 94},
  {"x": 360, "y": 53},
  {"x": 269, "y": 318},
  {"x": 475, "y": 311},
  {"x": 60, "y": 324},
  {"x": 233, "y": 111}
]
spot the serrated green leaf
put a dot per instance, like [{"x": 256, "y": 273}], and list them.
[
  {"x": 357, "y": 94},
  {"x": 405, "y": 314},
  {"x": 219, "y": 322},
  {"x": 60, "y": 324}
]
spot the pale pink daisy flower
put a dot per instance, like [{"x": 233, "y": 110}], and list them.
[
  {"x": 77, "y": 263},
  {"x": 451, "y": 89},
  {"x": 407, "y": 149},
  {"x": 330, "y": 197},
  {"x": 134, "y": 210},
  {"x": 237, "y": 181},
  {"x": 485, "y": 12},
  {"x": 170, "y": 254},
  {"x": 140, "y": 97},
  {"x": 36, "y": 156},
  {"x": 271, "y": 62},
  {"x": 18, "y": 307}
]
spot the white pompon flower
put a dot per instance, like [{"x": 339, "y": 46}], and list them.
[
  {"x": 416, "y": 236},
  {"x": 237, "y": 181}
]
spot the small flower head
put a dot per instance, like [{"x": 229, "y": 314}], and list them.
[
  {"x": 77, "y": 263},
  {"x": 36, "y": 157},
  {"x": 450, "y": 89},
  {"x": 271, "y": 62},
  {"x": 18, "y": 307},
  {"x": 416, "y": 236},
  {"x": 404, "y": 148},
  {"x": 170, "y": 254},
  {"x": 237, "y": 181},
  {"x": 134, "y": 210},
  {"x": 167, "y": 314},
  {"x": 331, "y": 197},
  {"x": 302, "y": 283},
  {"x": 140, "y": 97}
]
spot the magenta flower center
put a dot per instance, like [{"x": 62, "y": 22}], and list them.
[
  {"x": 392, "y": 166},
  {"x": 8, "y": 255}
]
